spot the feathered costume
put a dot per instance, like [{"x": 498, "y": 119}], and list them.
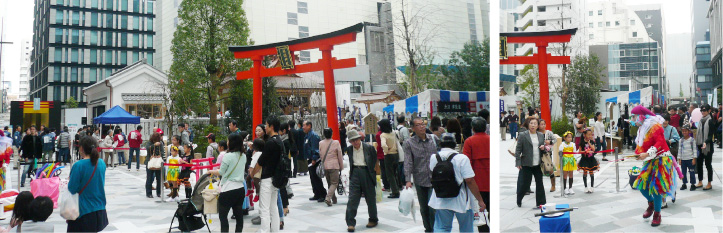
[
  {"x": 6, "y": 153},
  {"x": 660, "y": 171}
]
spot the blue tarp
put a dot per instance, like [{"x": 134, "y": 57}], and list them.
[{"x": 116, "y": 115}]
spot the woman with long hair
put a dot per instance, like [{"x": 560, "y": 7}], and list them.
[
  {"x": 599, "y": 130},
  {"x": 87, "y": 178},
  {"x": 455, "y": 127},
  {"x": 154, "y": 149},
  {"x": 436, "y": 126},
  {"x": 232, "y": 183},
  {"x": 389, "y": 144}
]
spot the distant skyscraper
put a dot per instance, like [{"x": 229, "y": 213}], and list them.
[{"x": 78, "y": 43}]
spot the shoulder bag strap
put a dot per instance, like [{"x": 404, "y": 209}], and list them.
[
  {"x": 91, "y": 178},
  {"x": 237, "y": 161},
  {"x": 327, "y": 153}
]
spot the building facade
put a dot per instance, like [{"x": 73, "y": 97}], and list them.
[
  {"x": 703, "y": 73},
  {"x": 22, "y": 88},
  {"x": 629, "y": 66},
  {"x": 715, "y": 18},
  {"x": 78, "y": 43}
]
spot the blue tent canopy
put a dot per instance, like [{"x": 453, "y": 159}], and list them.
[{"x": 117, "y": 115}]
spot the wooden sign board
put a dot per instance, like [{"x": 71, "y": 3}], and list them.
[
  {"x": 370, "y": 124},
  {"x": 285, "y": 58},
  {"x": 503, "y": 47}
]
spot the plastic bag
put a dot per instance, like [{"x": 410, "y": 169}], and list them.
[
  {"x": 210, "y": 199},
  {"x": 480, "y": 218},
  {"x": 406, "y": 201},
  {"x": 68, "y": 206},
  {"x": 379, "y": 188},
  {"x": 49, "y": 187}
]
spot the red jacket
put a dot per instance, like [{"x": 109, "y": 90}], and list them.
[
  {"x": 477, "y": 148},
  {"x": 135, "y": 139},
  {"x": 380, "y": 152},
  {"x": 119, "y": 138}
]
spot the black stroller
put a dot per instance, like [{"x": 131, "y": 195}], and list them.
[{"x": 190, "y": 211}]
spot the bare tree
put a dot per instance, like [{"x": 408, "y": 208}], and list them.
[{"x": 413, "y": 34}]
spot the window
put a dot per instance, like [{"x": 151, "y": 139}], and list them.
[
  {"x": 108, "y": 57},
  {"x": 648, "y": 16},
  {"x": 76, "y": 18},
  {"x": 377, "y": 41},
  {"x": 648, "y": 25},
  {"x": 108, "y": 39},
  {"x": 94, "y": 4},
  {"x": 59, "y": 16},
  {"x": 136, "y": 6},
  {"x": 701, "y": 51},
  {"x": 356, "y": 87},
  {"x": 599, "y": 12},
  {"x": 632, "y": 22},
  {"x": 136, "y": 40},
  {"x": 94, "y": 19},
  {"x": 123, "y": 58},
  {"x": 56, "y": 93},
  {"x": 108, "y": 4},
  {"x": 541, "y": 9},
  {"x": 291, "y": 18},
  {"x": 76, "y": 36},
  {"x": 703, "y": 78},
  {"x": 149, "y": 25},
  {"x": 93, "y": 75},
  {"x": 59, "y": 2},
  {"x": 305, "y": 56},
  {"x": 93, "y": 38},
  {"x": 617, "y": 23},
  {"x": 56, "y": 74},
  {"x": 541, "y": 23},
  {"x": 607, "y": 24},
  {"x": 124, "y": 5},
  {"x": 108, "y": 72},
  {"x": 74, "y": 74},
  {"x": 635, "y": 34},
  {"x": 58, "y": 55},
  {"x": 622, "y": 53},
  {"x": 74, "y": 55},
  {"x": 93, "y": 56},
  {"x": 599, "y": 24},
  {"x": 124, "y": 39},
  {"x": 76, "y": 2},
  {"x": 124, "y": 22},
  {"x": 136, "y": 22},
  {"x": 591, "y": 25},
  {"x": 58, "y": 35},
  {"x": 303, "y": 31},
  {"x": 74, "y": 92},
  {"x": 302, "y": 7},
  {"x": 108, "y": 20},
  {"x": 592, "y": 36},
  {"x": 135, "y": 57},
  {"x": 589, "y": 13},
  {"x": 149, "y": 8},
  {"x": 149, "y": 58},
  {"x": 149, "y": 41},
  {"x": 701, "y": 64}
]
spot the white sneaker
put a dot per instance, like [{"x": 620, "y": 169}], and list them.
[
  {"x": 587, "y": 189},
  {"x": 592, "y": 189},
  {"x": 170, "y": 199},
  {"x": 572, "y": 192}
]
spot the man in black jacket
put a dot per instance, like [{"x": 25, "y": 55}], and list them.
[
  {"x": 362, "y": 179},
  {"x": 30, "y": 148}
]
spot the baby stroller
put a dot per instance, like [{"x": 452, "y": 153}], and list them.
[{"x": 190, "y": 211}]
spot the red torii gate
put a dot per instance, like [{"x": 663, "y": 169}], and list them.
[
  {"x": 285, "y": 50},
  {"x": 541, "y": 59}
]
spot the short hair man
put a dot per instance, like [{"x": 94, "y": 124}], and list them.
[
  {"x": 362, "y": 160},
  {"x": 269, "y": 193},
  {"x": 311, "y": 153},
  {"x": 417, "y": 151}
]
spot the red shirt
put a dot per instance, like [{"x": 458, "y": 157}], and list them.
[
  {"x": 477, "y": 148},
  {"x": 119, "y": 138},
  {"x": 675, "y": 120},
  {"x": 380, "y": 152},
  {"x": 135, "y": 139}
]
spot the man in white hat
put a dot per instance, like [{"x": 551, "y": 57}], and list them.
[{"x": 362, "y": 159}]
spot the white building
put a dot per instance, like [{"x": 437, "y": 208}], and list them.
[
  {"x": 21, "y": 88},
  {"x": 137, "y": 88},
  {"x": 715, "y": 17},
  {"x": 612, "y": 22}
]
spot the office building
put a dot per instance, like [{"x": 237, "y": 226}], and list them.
[
  {"x": 78, "y": 43},
  {"x": 22, "y": 88},
  {"x": 715, "y": 19},
  {"x": 629, "y": 66}
]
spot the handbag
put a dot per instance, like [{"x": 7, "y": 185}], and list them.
[
  {"x": 320, "y": 167},
  {"x": 340, "y": 187},
  {"x": 210, "y": 198},
  {"x": 69, "y": 208},
  {"x": 546, "y": 164}
]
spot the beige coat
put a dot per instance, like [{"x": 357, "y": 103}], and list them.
[
  {"x": 389, "y": 143},
  {"x": 334, "y": 159}
]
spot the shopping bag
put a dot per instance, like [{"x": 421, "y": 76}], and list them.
[
  {"x": 210, "y": 199},
  {"x": 379, "y": 188},
  {"x": 68, "y": 207},
  {"x": 406, "y": 201},
  {"x": 49, "y": 187}
]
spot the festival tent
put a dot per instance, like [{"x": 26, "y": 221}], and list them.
[
  {"x": 643, "y": 96},
  {"x": 424, "y": 102},
  {"x": 117, "y": 115}
]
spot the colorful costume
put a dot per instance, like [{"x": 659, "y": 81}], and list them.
[
  {"x": 569, "y": 163},
  {"x": 6, "y": 152},
  {"x": 588, "y": 162},
  {"x": 660, "y": 171},
  {"x": 173, "y": 171}
]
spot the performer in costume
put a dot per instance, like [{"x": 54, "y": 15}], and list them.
[
  {"x": 588, "y": 163},
  {"x": 569, "y": 163},
  {"x": 173, "y": 173},
  {"x": 660, "y": 171},
  {"x": 6, "y": 152}
]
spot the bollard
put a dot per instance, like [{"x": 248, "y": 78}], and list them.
[{"x": 617, "y": 172}]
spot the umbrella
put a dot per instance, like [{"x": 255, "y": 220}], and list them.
[{"x": 695, "y": 116}]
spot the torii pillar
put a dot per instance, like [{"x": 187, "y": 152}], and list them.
[
  {"x": 541, "y": 59},
  {"x": 285, "y": 50}
]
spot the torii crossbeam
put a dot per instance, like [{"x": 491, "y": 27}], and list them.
[
  {"x": 541, "y": 59},
  {"x": 285, "y": 50}
]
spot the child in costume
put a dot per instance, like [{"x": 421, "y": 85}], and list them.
[
  {"x": 173, "y": 173},
  {"x": 660, "y": 170},
  {"x": 569, "y": 163},
  {"x": 588, "y": 163}
]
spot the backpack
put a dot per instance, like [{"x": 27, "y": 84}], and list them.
[
  {"x": 443, "y": 181},
  {"x": 282, "y": 173},
  {"x": 399, "y": 138}
]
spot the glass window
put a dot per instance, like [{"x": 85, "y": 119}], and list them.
[
  {"x": 56, "y": 74},
  {"x": 591, "y": 25},
  {"x": 136, "y": 22},
  {"x": 302, "y": 7},
  {"x": 303, "y": 31},
  {"x": 589, "y": 13},
  {"x": 135, "y": 57},
  {"x": 702, "y": 51},
  {"x": 701, "y": 64},
  {"x": 76, "y": 18},
  {"x": 56, "y": 93},
  {"x": 136, "y": 40},
  {"x": 149, "y": 8},
  {"x": 291, "y": 18},
  {"x": 632, "y": 22},
  {"x": 635, "y": 34},
  {"x": 617, "y": 23},
  {"x": 599, "y": 12},
  {"x": 124, "y": 5},
  {"x": 59, "y": 2},
  {"x": 108, "y": 39},
  {"x": 94, "y": 38},
  {"x": 108, "y": 72},
  {"x": 305, "y": 56},
  {"x": 599, "y": 24},
  {"x": 149, "y": 41},
  {"x": 93, "y": 56},
  {"x": 149, "y": 58},
  {"x": 108, "y": 57},
  {"x": 108, "y": 20},
  {"x": 124, "y": 22},
  {"x": 149, "y": 25},
  {"x": 58, "y": 55},
  {"x": 607, "y": 24},
  {"x": 592, "y": 36},
  {"x": 123, "y": 57},
  {"x": 124, "y": 39},
  {"x": 59, "y": 16},
  {"x": 93, "y": 75},
  {"x": 58, "y": 35},
  {"x": 136, "y": 6},
  {"x": 74, "y": 92},
  {"x": 94, "y": 4},
  {"x": 108, "y": 4},
  {"x": 94, "y": 19},
  {"x": 74, "y": 55},
  {"x": 76, "y": 36},
  {"x": 76, "y": 2},
  {"x": 74, "y": 74}
]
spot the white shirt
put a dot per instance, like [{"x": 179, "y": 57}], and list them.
[
  {"x": 462, "y": 170},
  {"x": 574, "y": 123},
  {"x": 535, "y": 149},
  {"x": 359, "y": 156},
  {"x": 599, "y": 131},
  {"x": 254, "y": 160}
]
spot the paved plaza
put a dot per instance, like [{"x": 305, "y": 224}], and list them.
[
  {"x": 129, "y": 210},
  {"x": 604, "y": 210}
]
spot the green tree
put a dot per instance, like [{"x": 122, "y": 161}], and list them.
[
  {"x": 467, "y": 69},
  {"x": 530, "y": 85},
  {"x": 201, "y": 56},
  {"x": 681, "y": 92},
  {"x": 584, "y": 77},
  {"x": 71, "y": 102}
]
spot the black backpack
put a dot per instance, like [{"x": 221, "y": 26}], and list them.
[
  {"x": 282, "y": 173},
  {"x": 443, "y": 181}
]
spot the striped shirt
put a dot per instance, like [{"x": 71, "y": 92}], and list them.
[{"x": 417, "y": 153}]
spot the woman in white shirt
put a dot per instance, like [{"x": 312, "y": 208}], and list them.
[
  {"x": 108, "y": 153},
  {"x": 599, "y": 132}
]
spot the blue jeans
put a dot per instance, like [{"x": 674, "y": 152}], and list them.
[
  {"x": 121, "y": 157},
  {"x": 63, "y": 155},
  {"x": 138, "y": 157},
  {"x": 27, "y": 170},
  {"x": 688, "y": 165},
  {"x": 281, "y": 207},
  {"x": 656, "y": 199},
  {"x": 443, "y": 220},
  {"x": 513, "y": 130},
  {"x": 600, "y": 145}
]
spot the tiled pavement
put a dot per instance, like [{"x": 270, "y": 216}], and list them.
[
  {"x": 130, "y": 211},
  {"x": 603, "y": 210}
]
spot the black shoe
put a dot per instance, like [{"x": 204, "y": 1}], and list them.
[
  {"x": 393, "y": 196},
  {"x": 291, "y": 196},
  {"x": 313, "y": 198},
  {"x": 149, "y": 196},
  {"x": 693, "y": 187},
  {"x": 320, "y": 200},
  {"x": 684, "y": 187},
  {"x": 528, "y": 193},
  {"x": 519, "y": 204},
  {"x": 233, "y": 216},
  {"x": 158, "y": 195},
  {"x": 604, "y": 159},
  {"x": 22, "y": 185}
]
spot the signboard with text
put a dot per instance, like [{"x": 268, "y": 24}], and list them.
[
  {"x": 285, "y": 57},
  {"x": 452, "y": 107}
]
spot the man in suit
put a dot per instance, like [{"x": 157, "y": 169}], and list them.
[{"x": 362, "y": 159}]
